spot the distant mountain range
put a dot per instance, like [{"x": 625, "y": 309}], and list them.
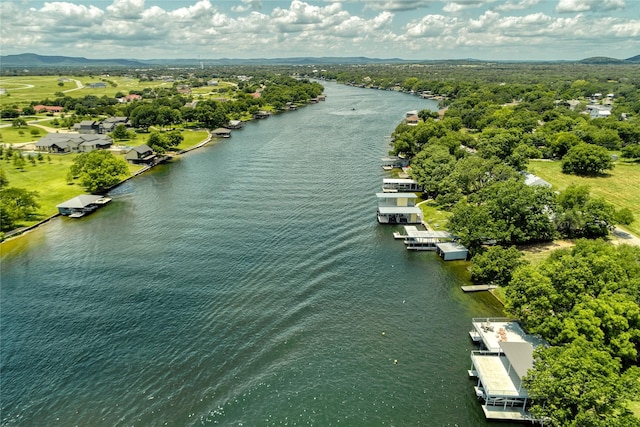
[{"x": 32, "y": 60}]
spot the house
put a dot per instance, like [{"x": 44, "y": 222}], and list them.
[
  {"x": 109, "y": 124},
  {"x": 398, "y": 208},
  {"x": 73, "y": 143},
  {"x": 97, "y": 85},
  {"x": 48, "y": 109},
  {"x": 505, "y": 356},
  {"x": 533, "y": 180},
  {"x": 394, "y": 185},
  {"x": 597, "y": 111},
  {"x": 87, "y": 127},
  {"x": 82, "y": 205},
  {"x": 221, "y": 133},
  {"x": 130, "y": 98},
  {"x": 141, "y": 154}
]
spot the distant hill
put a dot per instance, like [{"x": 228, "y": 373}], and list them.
[
  {"x": 33, "y": 60},
  {"x": 601, "y": 60}
]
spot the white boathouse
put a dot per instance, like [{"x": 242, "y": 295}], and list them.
[
  {"x": 394, "y": 185},
  {"x": 422, "y": 240},
  {"x": 398, "y": 208},
  {"x": 505, "y": 358}
]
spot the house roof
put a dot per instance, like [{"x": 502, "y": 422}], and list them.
[
  {"x": 221, "y": 130},
  {"x": 451, "y": 247},
  {"x": 80, "y": 201},
  {"x": 144, "y": 148},
  {"x": 63, "y": 140}
]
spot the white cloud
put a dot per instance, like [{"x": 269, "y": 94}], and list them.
[
  {"x": 510, "y": 5},
  {"x": 457, "y": 6},
  {"x": 248, "y": 5},
  {"x": 572, "y": 6},
  {"x": 399, "y": 5},
  {"x": 126, "y": 9}
]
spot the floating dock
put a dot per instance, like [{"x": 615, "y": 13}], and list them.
[{"x": 477, "y": 288}]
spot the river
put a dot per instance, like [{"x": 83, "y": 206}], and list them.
[{"x": 245, "y": 283}]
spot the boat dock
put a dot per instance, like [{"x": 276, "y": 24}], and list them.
[{"x": 477, "y": 288}]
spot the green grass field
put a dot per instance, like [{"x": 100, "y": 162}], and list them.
[
  {"x": 49, "y": 179},
  {"x": 621, "y": 186},
  {"x": 12, "y": 135},
  {"x": 22, "y": 90}
]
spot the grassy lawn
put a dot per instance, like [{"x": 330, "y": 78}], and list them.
[
  {"x": 436, "y": 218},
  {"x": 191, "y": 138},
  {"x": 12, "y": 135},
  {"x": 49, "y": 179},
  {"x": 635, "y": 408},
  {"x": 621, "y": 187},
  {"x": 22, "y": 90}
]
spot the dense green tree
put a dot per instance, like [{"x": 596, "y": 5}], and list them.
[
  {"x": 580, "y": 384},
  {"x": 495, "y": 265},
  {"x": 520, "y": 212},
  {"x": 99, "y": 170},
  {"x": 587, "y": 159},
  {"x": 431, "y": 167},
  {"x": 581, "y": 215},
  {"x": 631, "y": 151},
  {"x": 16, "y": 204},
  {"x": 473, "y": 225},
  {"x": 120, "y": 132},
  {"x": 576, "y": 290}
]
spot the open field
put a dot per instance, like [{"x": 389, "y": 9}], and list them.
[
  {"x": 621, "y": 186},
  {"x": 22, "y": 90},
  {"x": 12, "y": 135},
  {"x": 48, "y": 178}
]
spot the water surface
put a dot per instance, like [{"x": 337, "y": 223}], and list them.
[{"x": 246, "y": 283}]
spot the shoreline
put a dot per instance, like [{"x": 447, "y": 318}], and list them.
[
  {"x": 19, "y": 232},
  {"x": 22, "y": 231}
]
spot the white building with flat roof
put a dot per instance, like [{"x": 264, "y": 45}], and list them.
[{"x": 505, "y": 358}]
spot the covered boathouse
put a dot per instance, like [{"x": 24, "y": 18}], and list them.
[
  {"x": 395, "y": 185},
  {"x": 81, "y": 205},
  {"x": 422, "y": 240},
  {"x": 398, "y": 208},
  {"x": 505, "y": 356}
]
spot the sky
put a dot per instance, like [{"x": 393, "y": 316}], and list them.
[{"x": 406, "y": 29}]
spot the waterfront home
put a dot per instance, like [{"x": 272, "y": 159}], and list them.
[
  {"x": 394, "y": 185},
  {"x": 141, "y": 154},
  {"x": 505, "y": 356},
  {"x": 398, "y": 208},
  {"x": 82, "y": 205}
]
